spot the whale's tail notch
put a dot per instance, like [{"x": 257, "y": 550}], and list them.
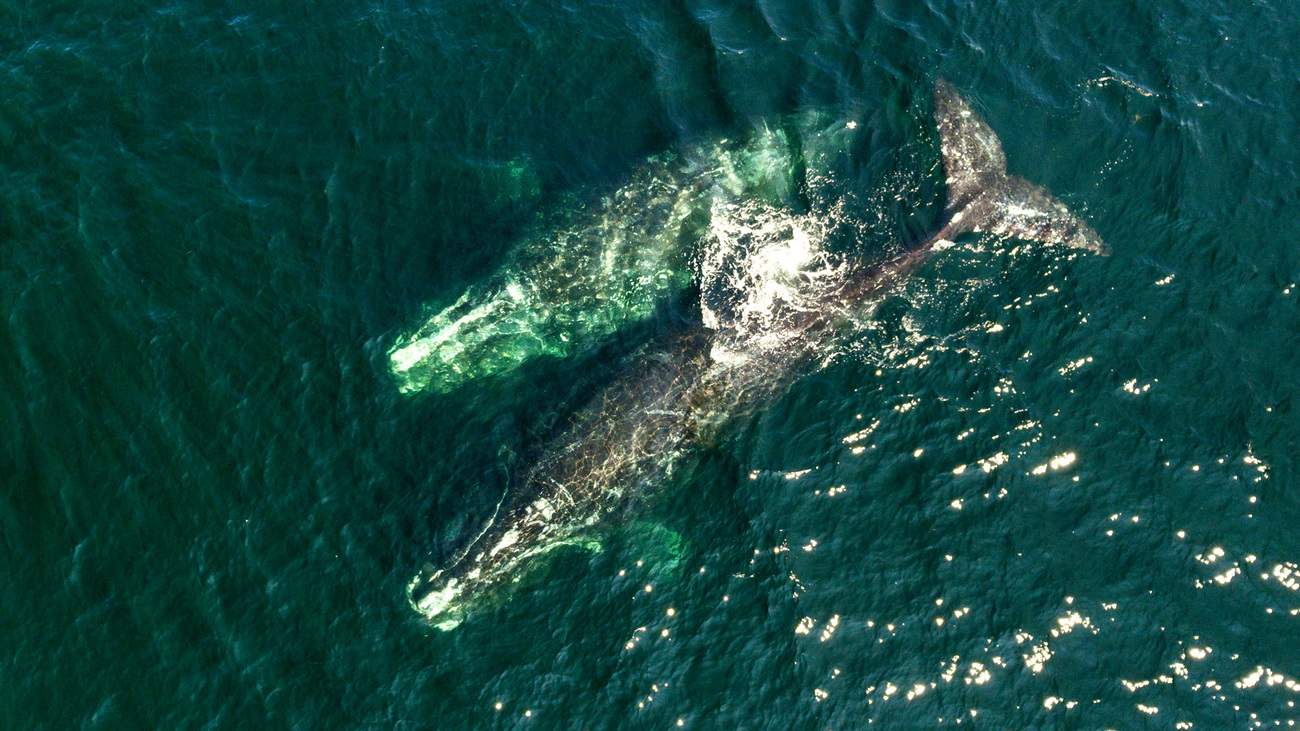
[{"x": 983, "y": 198}]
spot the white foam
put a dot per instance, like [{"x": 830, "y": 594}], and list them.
[{"x": 758, "y": 266}]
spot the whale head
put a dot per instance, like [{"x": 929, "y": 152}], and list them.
[{"x": 484, "y": 573}]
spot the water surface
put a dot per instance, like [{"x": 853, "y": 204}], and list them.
[{"x": 1041, "y": 490}]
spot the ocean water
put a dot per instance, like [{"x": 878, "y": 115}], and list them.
[{"x": 1031, "y": 488}]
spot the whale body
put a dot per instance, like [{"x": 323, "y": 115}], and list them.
[
  {"x": 781, "y": 299},
  {"x": 600, "y": 263}
]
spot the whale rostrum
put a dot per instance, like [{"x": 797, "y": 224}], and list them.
[{"x": 680, "y": 389}]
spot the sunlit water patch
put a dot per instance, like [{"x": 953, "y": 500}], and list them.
[{"x": 965, "y": 503}]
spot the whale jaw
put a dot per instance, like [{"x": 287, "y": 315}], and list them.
[{"x": 983, "y": 198}]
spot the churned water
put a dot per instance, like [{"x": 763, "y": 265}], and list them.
[{"x": 293, "y": 294}]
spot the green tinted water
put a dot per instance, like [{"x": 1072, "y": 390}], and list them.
[{"x": 219, "y": 221}]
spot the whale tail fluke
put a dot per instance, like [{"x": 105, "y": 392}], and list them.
[{"x": 983, "y": 198}]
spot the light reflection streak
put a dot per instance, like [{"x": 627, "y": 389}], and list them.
[
  {"x": 1056, "y": 463},
  {"x": 1261, "y": 676},
  {"x": 1052, "y": 701},
  {"x": 831, "y": 625},
  {"x": 1286, "y": 574},
  {"x": 1038, "y": 657},
  {"x": 1270, "y": 678},
  {"x": 1227, "y": 576},
  {"x": 988, "y": 464},
  {"x": 1069, "y": 622},
  {"x": 1074, "y": 366}
]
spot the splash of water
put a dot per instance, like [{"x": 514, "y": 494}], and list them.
[{"x": 760, "y": 266}]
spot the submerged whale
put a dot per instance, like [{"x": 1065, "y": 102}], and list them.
[
  {"x": 683, "y": 387},
  {"x": 597, "y": 265}
]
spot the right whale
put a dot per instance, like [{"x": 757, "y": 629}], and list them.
[{"x": 675, "y": 392}]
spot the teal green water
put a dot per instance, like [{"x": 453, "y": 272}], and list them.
[{"x": 219, "y": 220}]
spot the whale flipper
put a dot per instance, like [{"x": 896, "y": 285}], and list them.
[{"x": 982, "y": 197}]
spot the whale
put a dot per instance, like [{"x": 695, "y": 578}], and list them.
[
  {"x": 595, "y": 264},
  {"x": 764, "y": 305}
]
